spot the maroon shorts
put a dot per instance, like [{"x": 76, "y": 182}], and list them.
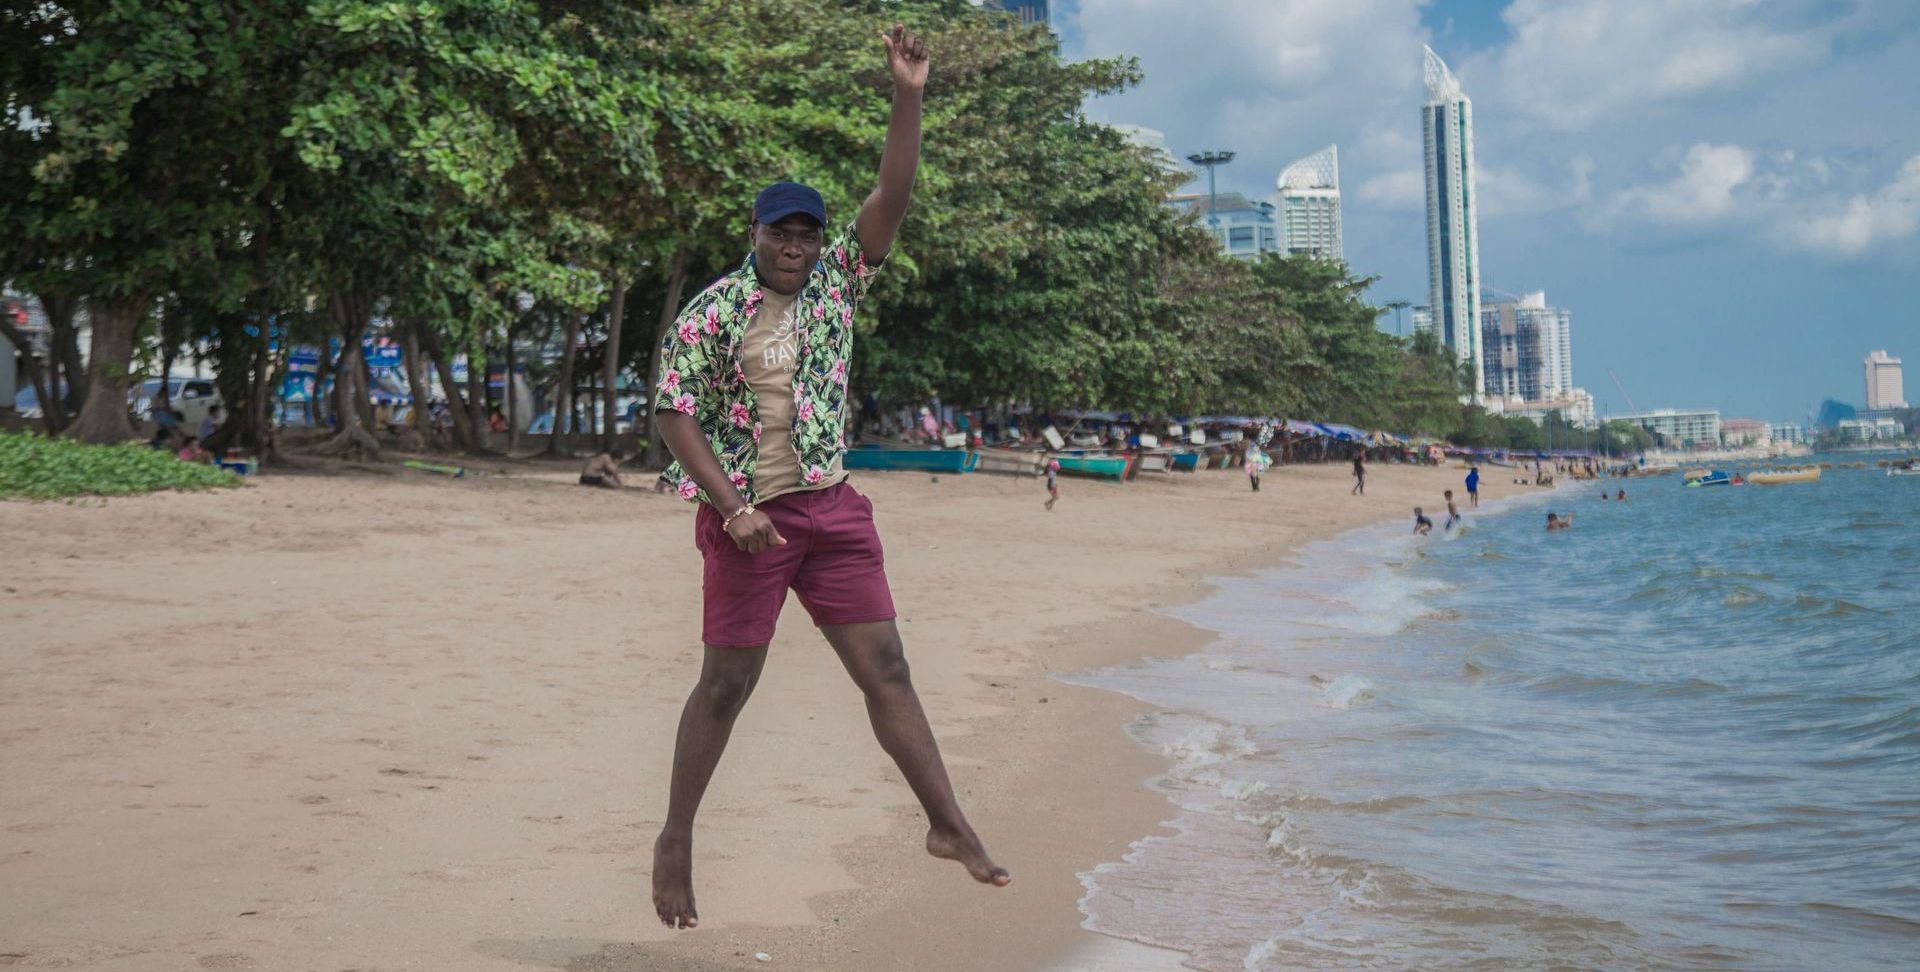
[{"x": 832, "y": 559}]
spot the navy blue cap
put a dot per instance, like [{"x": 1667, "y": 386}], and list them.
[{"x": 782, "y": 199}]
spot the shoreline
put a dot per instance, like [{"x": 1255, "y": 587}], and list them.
[{"x": 531, "y": 704}]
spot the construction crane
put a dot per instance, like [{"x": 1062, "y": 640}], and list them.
[{"x": 1623, "y": 390}]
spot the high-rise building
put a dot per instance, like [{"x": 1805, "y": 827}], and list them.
[
  {"x": 1030, "y": 11},
  {"x": 1528, "y": 347},
  {"x": 1884, "y": 386},
  {"x": 1245, "y": 228},
  {"x": 1453, "y": 241},
  {"x": 1310, "y": 205}
]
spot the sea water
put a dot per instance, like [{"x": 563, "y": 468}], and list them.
[{"x": 1684, "y": 734}]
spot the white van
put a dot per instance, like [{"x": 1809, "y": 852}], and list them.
[{"x": 191, "y": 397}]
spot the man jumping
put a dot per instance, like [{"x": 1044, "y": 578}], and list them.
[{"x": 752, "y": 400}]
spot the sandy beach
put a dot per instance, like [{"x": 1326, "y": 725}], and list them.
[{"x": 383, "y": 721}]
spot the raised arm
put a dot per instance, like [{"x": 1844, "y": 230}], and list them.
[{"x": 880, "y": 215}]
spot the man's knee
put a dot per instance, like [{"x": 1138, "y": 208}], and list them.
[
  {"x": 726, "y": 688},
  {"x": 886, "y": 669}
]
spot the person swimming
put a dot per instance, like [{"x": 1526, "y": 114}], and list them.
[{"x": 1557, "y": 522}]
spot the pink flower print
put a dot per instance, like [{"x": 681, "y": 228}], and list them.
[
  {"x": 806, "y": 410},
  {"x": 814, "y": 475},
  {"x": 738, "y": 479},
  {"x": 739, "y": 373},
  {"x": 670, "y": 382},
  {"x": 741, "y": 417},
  {"x": 833, "y": 292},
  {"x": 753, "y": 301},
  {"x": 687, "y": 489},
  {"x": 840, "y": 256},
  {"x": 683, "y": 403},
  {"x": 839, "y": 372},
  {"x": 690, "y": 331},
  {"x": 846, "y": 316},
  {"x": 820, "y": 312},
  {"x": 756, "y": 432},
  {"x": 713, "y": 319}
]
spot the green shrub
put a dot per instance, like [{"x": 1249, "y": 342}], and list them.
[{"x": 35, "y": 467}]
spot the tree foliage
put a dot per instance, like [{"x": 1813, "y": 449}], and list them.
[{"x": 473, "y": 176}]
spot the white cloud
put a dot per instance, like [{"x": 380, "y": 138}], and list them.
[
  {"x": 1272, "y": 80},
  {"x": 1869, "y": 219},
  {"x": 1573, "y": 63},
  {"x": 1399, "y": 189},
  {"x": 1781, "y": 195},
  {"x": 1702, "y": 192}
]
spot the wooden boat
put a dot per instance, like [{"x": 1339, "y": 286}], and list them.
[
  {"x": 1011, "y": 461},
  {"x": 1811, "y": 474},
  {"x": 1096, "y": 467},
  {"x": 1186, "y": 461},
  {"x": 919, "y": 460}
]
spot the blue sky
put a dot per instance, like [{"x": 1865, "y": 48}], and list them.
[{"x": 1726, "y": 193}]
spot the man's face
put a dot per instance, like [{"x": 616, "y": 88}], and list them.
[{"x": 786, "y": 251}]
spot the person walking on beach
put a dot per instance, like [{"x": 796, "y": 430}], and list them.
[
  {"x": 1053, "y": 483},
  {"x": 1359, "y": 474},
  {"x": 751, "y": 402},
  {"x": 1253, "y": 471},
  {"x": 1473, "y": 487},
  {"x": 1453, "y": 512}
]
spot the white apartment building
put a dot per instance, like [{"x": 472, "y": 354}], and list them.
[
  {"x": 1309, "y": 206},
  {"x": 1884, "y": 386},
  {"x": 1528, "y": 348},
  {"x": 1679, "y": 427}
]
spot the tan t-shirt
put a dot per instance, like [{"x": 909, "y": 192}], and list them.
[{"x": 769, "y": 355}]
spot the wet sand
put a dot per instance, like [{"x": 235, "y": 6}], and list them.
[{"x": 399, "y": 721}]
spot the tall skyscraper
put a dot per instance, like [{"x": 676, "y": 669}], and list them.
[
  {"x": 1030, "y": 11},
  {"x": 1310, "y": 205},
  {"x": 1529, "y": 347},
  {"x": 1453, "y": 241},
  {"x": 1884, "y": 386}
]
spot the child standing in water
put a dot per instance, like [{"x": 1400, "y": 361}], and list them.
[{"x": 1453, "y": 512}]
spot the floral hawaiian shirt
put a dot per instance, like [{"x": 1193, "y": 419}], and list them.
[{"x": 700, "y": 372}]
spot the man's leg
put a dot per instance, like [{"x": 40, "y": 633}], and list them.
[
  {"x": 727, "y": 677},
  {"x": 873, "y": 655}
]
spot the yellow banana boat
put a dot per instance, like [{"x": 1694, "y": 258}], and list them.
[{"x": 1811, "y": 474}]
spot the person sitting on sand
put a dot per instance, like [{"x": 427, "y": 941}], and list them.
[
  {"x": 190, "y": 451},
  {"x": 1557, "y": 522},
  {"x": 750, "y": 403},
  {"x": 1421, "y": 525},
  {"x": 602, "y": 470}
]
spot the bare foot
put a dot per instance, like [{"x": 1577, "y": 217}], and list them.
[
  {"x": 673, "y": 882},
  {"x": 964, "y": 846}
]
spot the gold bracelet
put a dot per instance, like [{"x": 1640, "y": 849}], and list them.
[{"x": 727, "y": 521}]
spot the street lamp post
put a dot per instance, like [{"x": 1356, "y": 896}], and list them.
[{"x": 1210, "y": 160}]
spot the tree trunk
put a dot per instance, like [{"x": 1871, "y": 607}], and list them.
[
  {"x": 353, "y": 441},
  {"x": 669, "y": 309},
  {"x": 508, "y": 406},
  {"x": 463, "y": 430},
  {"x": 49, "y": 409},
  {"x": 610, "y": 367},
  {"x": 316, "y": 402},
  {"x": 103, "y": 419},
  {"x": 561, "y": 442},
  {"x": 477, "y": 395},
  {"x": 418, "y": 388},
  {"x": 364, "y": 400},
  {"x": 64, "y": 354}
]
